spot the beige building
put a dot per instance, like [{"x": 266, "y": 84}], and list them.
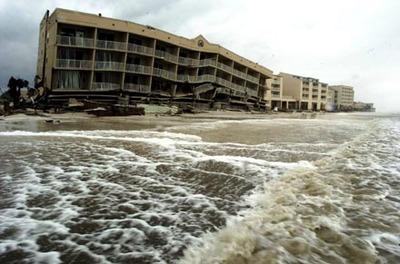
[
  {"x": 86, "y": 55},
  {"x": 303, "y": 93},
  {"x": 274, "y": 92},
  {"x": 363, "y": 107},
  {"x": 330, "y": 100},
  {"x": 343, "y": 96}
]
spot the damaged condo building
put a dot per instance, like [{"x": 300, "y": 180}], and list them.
[{"x": 89, "y": 56}]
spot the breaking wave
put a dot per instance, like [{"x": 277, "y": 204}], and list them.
[
  {"x": 107, "y": 196},
  {"x": 344, "y": 210}
]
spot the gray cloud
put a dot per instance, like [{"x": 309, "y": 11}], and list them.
[{"x": 350, "y": 42}]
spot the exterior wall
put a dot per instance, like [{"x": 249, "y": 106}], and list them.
[
  {"x": 344, "y": 96},
  {"x": 331, "y": 102},
  {"x": 309, "y": 93},
  {"x": 291, "y": 86},
  {"x": 274, "y": 91}
]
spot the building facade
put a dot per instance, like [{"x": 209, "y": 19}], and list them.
[
  {"x": 85, "y": 55},
  {"x": 308, "y": 93},
  {"x": 274, "y": 92},
  {"x": 343, "y": 97}
]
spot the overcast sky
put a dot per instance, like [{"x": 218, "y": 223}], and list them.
[{"x": 339, "y": 42}]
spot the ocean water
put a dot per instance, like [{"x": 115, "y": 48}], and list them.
[{"x": 282, "y": 190}]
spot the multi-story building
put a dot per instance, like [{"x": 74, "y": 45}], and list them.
[
  {"x": 308, "y": 93},
  {"x": 343, "y": 96},
  {"x": 330, "y": 101},
  {"x": 86, "y": 55},
  {"x": 274, "y": 92},
  {"x": 363, "y": 107}
]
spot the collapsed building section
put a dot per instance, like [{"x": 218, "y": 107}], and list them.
[{"x": 89, "y": 56}]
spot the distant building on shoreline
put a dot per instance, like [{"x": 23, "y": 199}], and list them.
[
  {"x": 87, "y": 56},
  {"x": 309, "y": 93},
  {"x": 343, "y": 98},
  {"x": 363, "y": 107}
]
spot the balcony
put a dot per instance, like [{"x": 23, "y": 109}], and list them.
[
  {"x": 275, "y": 95},
  {"x": 133, "y": 87},
  {"x": 223, "y": 82},
  {"x": 239, "y": 93},
  {"x": 166, "y": 56},
  {"x": 208, "y": 62},
  {"x": 74, "y": 64},
  {"x": 252, "y": 79},
  {"x": 75, "y": 41},
  {"x": 186, "y": 78},
  {"x": 105, "y": 86},
  {"x": 206, "y": 78},
  {"x": 109, "y": 65},
  {"x": 164, "y": 74},
  {"x": 275, "y": 87},
  {"x": 113, "y": 45},
  {"x": 251, "y": 92},
  {"x": 140, "y": 49},
  {"x": 224, "y": 67},
  {"x": 239, "y": 73},
  {"x": 238, "y": 87},
  {"x": 135, "y": 68},
  {"x": 188, "y": 61}
]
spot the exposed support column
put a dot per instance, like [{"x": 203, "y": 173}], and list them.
[
  {"x": 152, "y": 64},
  {"x": 92, "y": 74},
  {"x": 198, "y": 60},
  {"x": 125, "y": 58},
  {"x": 174, "y": 86}
]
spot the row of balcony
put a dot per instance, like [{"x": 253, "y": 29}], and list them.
[
  {"x": 143, "y": 88},
  {"x": 106, "y": 86},
  {"x": 144, "y": 50},
  {"x": 134, "y": 68}
]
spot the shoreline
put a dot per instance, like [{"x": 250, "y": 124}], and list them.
[{"x": 218, "y": 115}]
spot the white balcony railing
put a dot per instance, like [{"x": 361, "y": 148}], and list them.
[
  {"x": 208, "y": 62},
  {"x": 75, "y": 41},
  {"x": 223, "y": 82},
  {"x": 74, "y": 64},
  {"x": 138, "y": 68},
  {"x": 206, "y": 78},
  {"x": 252, "y": 92},
  {"x": 164, "y": 73},
  {"x": 105, "y": 86},
  {"x": 109, "y": 65},
  {"x": 140, "y": 49},
  {"x": 165, "y": 55},
  {"x": 141, "y": 88},
  {"x": 239, "y": 73},
  {"x": 114, "y": 45},
  {"x": 188, "y": 61},
  {"x": 186, "y": 78},
  {"x": 224, "y": 67},
  {"x": 252, "y": 79}
]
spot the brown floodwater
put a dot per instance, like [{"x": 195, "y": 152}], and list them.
[{"x": 267, "y": 190}]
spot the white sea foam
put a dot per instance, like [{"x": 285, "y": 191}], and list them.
[{"x": 143, "y": 196}]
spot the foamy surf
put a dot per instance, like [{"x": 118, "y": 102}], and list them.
[
  {"x": 314, "y": 215},
  {"x": 108, "y": 196}
]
